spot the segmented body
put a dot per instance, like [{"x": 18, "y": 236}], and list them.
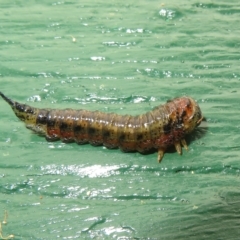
[{"x": 160, "y": 128}]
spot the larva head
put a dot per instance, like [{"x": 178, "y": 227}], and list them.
[{"x": 189, "y": 113}]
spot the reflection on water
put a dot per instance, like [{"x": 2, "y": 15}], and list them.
[{"x": 93, "y": 171}]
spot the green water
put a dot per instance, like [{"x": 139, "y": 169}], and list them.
[{"x": 125, "y": 58}]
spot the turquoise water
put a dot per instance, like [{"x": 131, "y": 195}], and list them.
[{"x": 125, "y": 58}]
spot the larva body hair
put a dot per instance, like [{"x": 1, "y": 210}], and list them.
[{"x": 164, "y": 126}]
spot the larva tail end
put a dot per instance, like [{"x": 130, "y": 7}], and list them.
[
  {"x": 24, "y": 112},
  {"x": 8, "y": 100}
]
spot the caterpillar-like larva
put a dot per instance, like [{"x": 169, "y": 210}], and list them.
[{"x": 158, "y": 129}]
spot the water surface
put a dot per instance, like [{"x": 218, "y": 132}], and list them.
[{"x": 125, "y": 58}]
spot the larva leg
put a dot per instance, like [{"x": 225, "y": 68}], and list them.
[
  {"x": 178, "y": 147},
  {"x": 184, "y": 143},
  {"x": 161, "y": 152}
]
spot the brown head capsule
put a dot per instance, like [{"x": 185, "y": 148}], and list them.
[{"x": 164, "y": 126}]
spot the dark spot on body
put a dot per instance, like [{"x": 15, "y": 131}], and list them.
[
  {"x": 139, "y": 137},
  {"x": 167, "y": 127},
  {"x": 63, "y": 126},
  {"x": 121, "y": 137},
  {"x": 42, "y": 117},
  {"x": 181, "y": 118},
  {"x": 51, "y": 122},
  {"x": 77, "y": 128},
  {"x": 20, "y": 108},
  {"x": 184, "y": 113},
  {"x": 106, "y": 133},
  {"x": 29, "y": 110},
  {"x": 91, "y": 130}
]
